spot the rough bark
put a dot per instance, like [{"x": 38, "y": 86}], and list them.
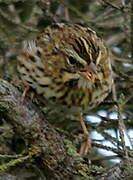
[{"x": 29, "y": 123}]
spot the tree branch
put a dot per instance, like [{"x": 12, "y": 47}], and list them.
[{"x": 29, "y": 123}]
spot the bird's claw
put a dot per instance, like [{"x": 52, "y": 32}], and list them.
[{"x": 85, "y": 147}]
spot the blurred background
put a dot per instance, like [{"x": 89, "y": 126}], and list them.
[{"x": 110, "y": 124}]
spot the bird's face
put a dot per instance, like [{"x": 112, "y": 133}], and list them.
[
  {"x": 70, "y": 52},
  {"x": 71, "y": 66},
  {"x": 82, "y": 67}
]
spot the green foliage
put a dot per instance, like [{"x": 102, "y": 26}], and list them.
[{"x": 11, "y": 163}]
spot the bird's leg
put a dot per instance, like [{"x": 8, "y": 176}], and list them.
[
  {"x": 86, "y": 145},
  {"x": 24, "y": 93}
]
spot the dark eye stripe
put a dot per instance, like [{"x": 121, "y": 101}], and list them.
[{"x": 72, "y": 60}]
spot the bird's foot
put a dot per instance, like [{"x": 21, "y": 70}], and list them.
[{"x": 85, "y": 147}]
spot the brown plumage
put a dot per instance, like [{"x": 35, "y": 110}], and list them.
[{"x": 69, "y": 65}]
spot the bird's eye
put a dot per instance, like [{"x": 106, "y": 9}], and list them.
[{"x": 72, "y": 60}]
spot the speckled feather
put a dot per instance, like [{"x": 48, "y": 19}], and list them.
[{"x": 48, "y": 65}]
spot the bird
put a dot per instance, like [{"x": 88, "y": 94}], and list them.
[{"x": 70, "y": 66}]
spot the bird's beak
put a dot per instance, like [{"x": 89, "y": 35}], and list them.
[{"x": 89, "y": 72}]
